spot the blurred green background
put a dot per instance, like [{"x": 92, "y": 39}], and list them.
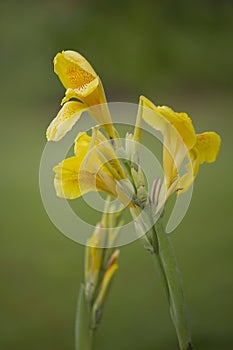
[{"x": 178, "y": 53}]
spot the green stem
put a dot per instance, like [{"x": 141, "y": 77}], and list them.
[
  {"x": 84, "y": 336},
  {"x": 91, "y": 339},
  {"x": 167, "y": 264}
]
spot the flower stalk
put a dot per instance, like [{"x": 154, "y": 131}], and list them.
[
  {"x": 166, "y": 261},
  {"x": 101, "y": 264}
]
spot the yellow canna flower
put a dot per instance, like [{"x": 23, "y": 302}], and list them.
[
  {"x": 94, "y": 167},
  {"x": 180, "y": 140},
  {"x": 83, "y": 84}
]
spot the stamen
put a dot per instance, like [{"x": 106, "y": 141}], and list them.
[{"x": 155, "y": 191}]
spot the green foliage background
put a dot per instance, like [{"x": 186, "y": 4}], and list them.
[{"x": 177, "y": 53}]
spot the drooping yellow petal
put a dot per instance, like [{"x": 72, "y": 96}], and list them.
[
  {"x": 207, "y": 146},
  {"x": 65, "y": 119},
  {"x": 206, "y": 149}
]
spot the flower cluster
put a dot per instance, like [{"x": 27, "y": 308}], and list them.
[{"x": 96, "y": 165}]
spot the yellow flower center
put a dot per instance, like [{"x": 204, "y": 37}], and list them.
[{"x": 78, "y": 76}]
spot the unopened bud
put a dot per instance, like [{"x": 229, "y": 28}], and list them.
[{"x": 98, "y": 306}]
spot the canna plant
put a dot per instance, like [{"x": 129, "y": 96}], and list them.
[{"x": 102, "y": 162}]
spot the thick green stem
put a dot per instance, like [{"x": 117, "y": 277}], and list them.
[
  {"x": 84, "y": 336},
  {"x": 91, "y": 339},
  {"x": 167, "y": 264}
]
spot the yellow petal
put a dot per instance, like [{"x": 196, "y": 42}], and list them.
[
  {"x": 66, "y": 178},
  {"x": 83, "y": 93},
  {"x": 163, "y": 116},
  {"x": 169, "y": 165},
  {"x": 181, "y": 122},
  {"x": 82, "y": 144},
  {"x": 178, "y": 133},
  {"x": 207, "y": 146},
  {"x": 150, "y": 115},
  {"x": 70, "y": 93},
  {"x": 107, "y": 154},
  {"x": 65, "y": 119},
  {"x": 72, "y": 182},
  {"x": 188, "y": 178},
  {"x": 206, "y": 149},
  {"x": 84, "y": 148},
  {"x": 73, "y": 69},
  {"x": 92, "y": 95},
  {"x": 99, "y": 154}
]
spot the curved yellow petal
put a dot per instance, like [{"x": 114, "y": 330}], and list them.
[
  {"x": 65, "y": 119},
  {"x": 181, "y": 122},
  {"x": 164, "y": 115},
  {"x": 73, "y": 69}
]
